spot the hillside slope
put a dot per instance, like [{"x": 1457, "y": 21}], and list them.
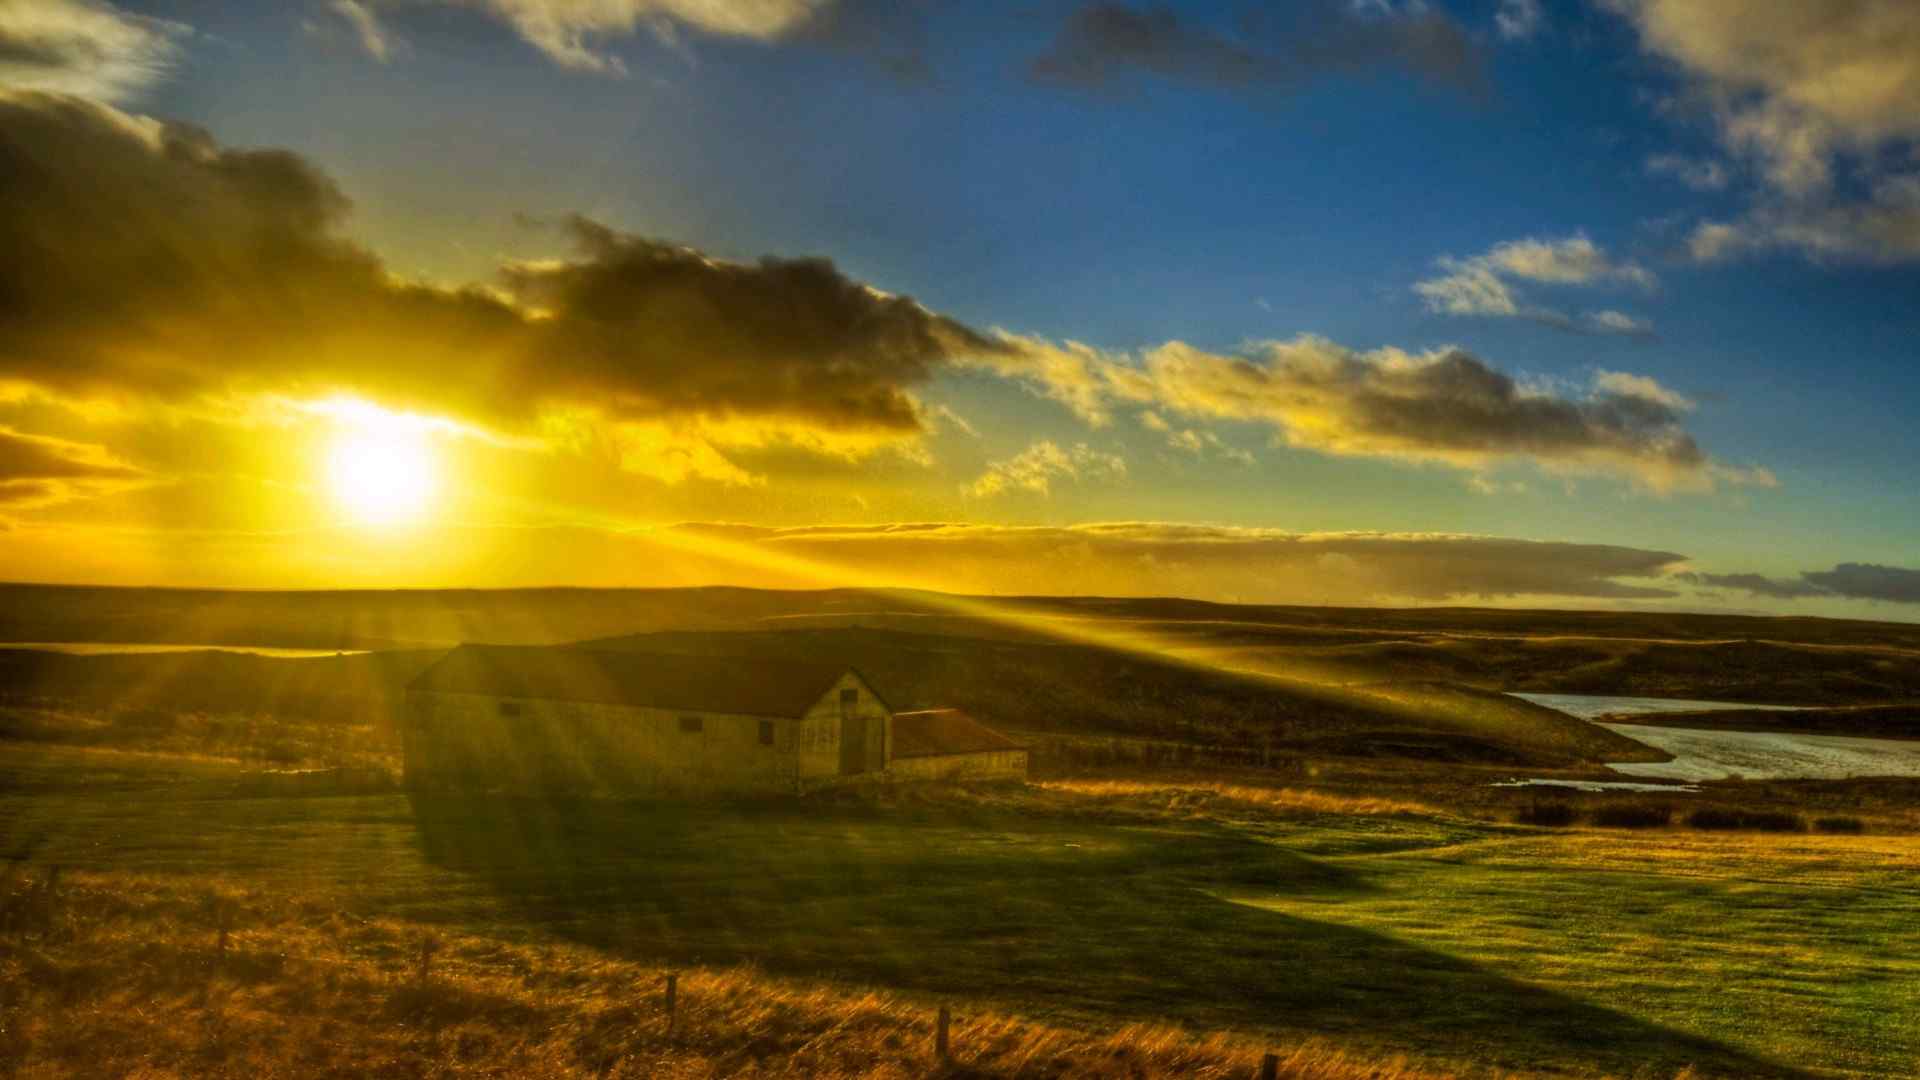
[{"x": 1082, "y": 689}]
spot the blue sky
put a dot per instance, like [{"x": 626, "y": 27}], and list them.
[{"x": 1221, "y": 184}]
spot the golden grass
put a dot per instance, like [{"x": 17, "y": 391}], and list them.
[
  {"x": 132, "y": 984},
  {"x": 1199, "y": 795}
]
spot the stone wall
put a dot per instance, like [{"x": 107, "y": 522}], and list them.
[{"x": 990, "y": 765}]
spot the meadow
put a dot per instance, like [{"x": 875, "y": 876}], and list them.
[{"x": 1130, "y": 928}]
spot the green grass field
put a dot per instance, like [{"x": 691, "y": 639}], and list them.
[{"x": 1461, "y": 944}]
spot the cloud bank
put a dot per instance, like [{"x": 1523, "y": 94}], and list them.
[
  {"x": 1852, "y": 581},
  {"x": 1246, "y": 564}
]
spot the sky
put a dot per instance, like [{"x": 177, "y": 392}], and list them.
[{"x": 1571, "y": 303}]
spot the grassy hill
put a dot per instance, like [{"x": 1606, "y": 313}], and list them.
[{"x": 1081, "y": 689}]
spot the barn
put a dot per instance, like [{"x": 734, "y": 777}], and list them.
[
  {"x": 947, "y": 744},
  {"x": 586, "y": 721}
]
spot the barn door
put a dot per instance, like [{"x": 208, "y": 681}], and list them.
[{"x": 853, "y": 744}]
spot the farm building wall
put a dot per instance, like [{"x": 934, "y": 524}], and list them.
[
  {"x": 478, "y": 740},
  {"x": 987, "y": 765},
  {"x": 819, "y": 747}
]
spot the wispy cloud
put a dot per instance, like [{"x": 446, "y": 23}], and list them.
[
  {"x": 1487, "y": 284},
  {"x": 367, "y": 28},
  {"x": 37, "y": 470},
  {"x": 1277, "y": 49},
  {"x": 583, "y": 35}
]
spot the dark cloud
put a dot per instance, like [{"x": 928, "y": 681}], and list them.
[
  {"x": 143, "y": 260},
  {"x": 1162, "y": 558},
  {"x": 1279, "y": 48},
  {"x": 1868, "y": 581},
  {"x": 1754, "y": 585},
  {"x": 749, "y": 338},
  {"x": 35, "y": 470}
]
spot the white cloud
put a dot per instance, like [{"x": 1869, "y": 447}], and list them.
[{"x": 80, "y": 47}]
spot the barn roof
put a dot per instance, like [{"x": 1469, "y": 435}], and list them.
[
  {"x": 750, "y": 686},
  {"x": 934, "y": 732}
]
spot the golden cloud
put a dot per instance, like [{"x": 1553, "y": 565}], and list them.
[{"x": 1444, "y": 407}]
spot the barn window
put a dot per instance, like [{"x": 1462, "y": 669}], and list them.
[
  {"x": 766, "y": 733},
  {"x": 691, "y": 725},
  {"x": 509, "y": 708},
  {"x": 849, "y": 698}
]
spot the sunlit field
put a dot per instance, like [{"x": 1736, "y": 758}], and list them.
[{"x": 1169, "y": 928}]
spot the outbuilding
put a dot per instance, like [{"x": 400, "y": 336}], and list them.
[
  {"x": 947, "y": 744},
  {"x": 588, "y": 721}
]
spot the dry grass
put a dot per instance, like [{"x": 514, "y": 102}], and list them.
[
  {"x": 131, "y": 982},
  {"x": 1199, "y": 796}
]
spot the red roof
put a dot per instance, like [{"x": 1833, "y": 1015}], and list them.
[
  {"x": 935, "y": 732},
  {"x": 716, "y": 684}
]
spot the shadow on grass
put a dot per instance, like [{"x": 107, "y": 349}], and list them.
[{"x": 1056, "y": 919}]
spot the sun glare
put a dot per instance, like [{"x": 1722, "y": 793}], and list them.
[{"x": 380, "y": 469}]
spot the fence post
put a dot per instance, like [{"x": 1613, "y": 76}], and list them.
[
  {"x": 223, "y": 918},
  {"x": 428, "y": 946},
  {"x": 1270, "y": 1067},
  {"x": 673, "y": 996},
  {"x": 940, "y": 1035}
]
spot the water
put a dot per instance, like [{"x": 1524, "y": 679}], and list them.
[
  {"x": 1594, "y": 706},
  {"x": 1766, "y": 755},
  {"x": 103, "y": 648},
  {"x": 1700, "y": 754}
]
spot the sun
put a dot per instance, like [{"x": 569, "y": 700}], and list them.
[{"x": 381, "y": 470}]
